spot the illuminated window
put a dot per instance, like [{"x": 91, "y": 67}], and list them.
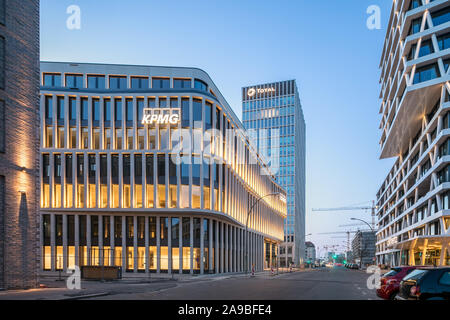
[
  {"x": 141, "y": 258},
  {"x": 49, "y": 137},
  {"x": 130, "y": 135},
  {"x": 57, "y": 182},
  {"x": 118, "y": 256},
  {"x": 149, "y": 180},
  {"x": 138, "y": 181},
  {"x": 68, "y": 190},
  {"x": 141, "y": 139},
  {"x": 73, "y": 137},
  {"x": 92, "y": 179},
  {"x": 130, "y": 258},
  {"x": 164, "y": 138},
  {"x": 84, "y": 138},
  {"x": 152, "y": 139},
  {"x": 119, "y": 137},
  {"x": 45, "y": 196},
  {"x": 161, "y": 169},
  {"x": 96, "y": 138},
  {"x": 108, "y": 139},
  {"x": 80, "y": 181},
  {"x": 103, "y": 181},
  {"x": 61, "y": 137},
  {"x": 126, "y": 181}
]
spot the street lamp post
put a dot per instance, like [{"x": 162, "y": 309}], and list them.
[{"x": 246, "y": 226}]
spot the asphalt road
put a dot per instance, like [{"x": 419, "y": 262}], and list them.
[{"x": 319, "y": 284}]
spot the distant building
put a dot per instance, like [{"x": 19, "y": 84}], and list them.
[
  {"x": 349, "y": 256},
  {"x": 310, "y": 253},
  {"x": 363, "y": 247}
]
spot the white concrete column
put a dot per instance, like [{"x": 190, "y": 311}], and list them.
[
  {"x": 234, "y": 250},
  {"x": 169, "y": 244},
  {"x": 147, "y": 251},
  {"x": 124, "y": 243},
  {"x": 239, "y": 249},
  {"x": 191, "y": 241},
  {"x": 53, "y": 240},
  {"x": 135, "y": 244},
  {"x": 202, "y": 239},
  {"x": 88, "y": 238},
  {"x": 158, "y": 244},
  {"x": 221, "y": 249},
  {"x": 180, "y": 241},
  {"x": 111, "y": 241},
  {"x": 216, "y": 247},
  {"x": 226, "y": 248},
  {"x": 65, "y": 251},
  {"x": 77, "y": 239},
  {"x": 100, "y": 240},
  {"x": 210, "y": 247}
]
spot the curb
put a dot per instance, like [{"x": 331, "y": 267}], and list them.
[{"x": 92, "y": 295}]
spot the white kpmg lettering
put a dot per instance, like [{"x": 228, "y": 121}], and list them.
[{"x": 160, "y": 116}]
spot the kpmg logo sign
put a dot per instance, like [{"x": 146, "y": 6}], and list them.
[
  {"x": 252, "y": 91},
  {"x": 162, "y": 116}
]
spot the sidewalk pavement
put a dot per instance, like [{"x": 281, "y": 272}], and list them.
[{"x": 56, "y": 289}]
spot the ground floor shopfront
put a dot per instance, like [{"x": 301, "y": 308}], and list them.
[
  {"x": 163, "y": 243},
  {"x": 432, "y": 251}
]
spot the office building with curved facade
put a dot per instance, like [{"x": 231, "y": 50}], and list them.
[
  {"x": 413, "y": 201},
  {"x": 148, "y": 168}
]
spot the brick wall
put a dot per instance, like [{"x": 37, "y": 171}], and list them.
[{"x": 20, "y": 162}]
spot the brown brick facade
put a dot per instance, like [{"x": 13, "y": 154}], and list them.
[{"x": 19, "y": 163}]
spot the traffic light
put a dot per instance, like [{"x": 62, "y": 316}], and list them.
[{"x": 345, "y": 261}]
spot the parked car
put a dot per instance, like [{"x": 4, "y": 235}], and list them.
[
  {"x": 390, "y": 282},
  {"x": 426, "y": 283}
]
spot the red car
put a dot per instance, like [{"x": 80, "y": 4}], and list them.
[{"x": 390, "y": 282}]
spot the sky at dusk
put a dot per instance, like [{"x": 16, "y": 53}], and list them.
[{"x": 324, "y": 45}]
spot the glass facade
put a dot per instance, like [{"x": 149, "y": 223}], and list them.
[{"x": 273, "y": 116}]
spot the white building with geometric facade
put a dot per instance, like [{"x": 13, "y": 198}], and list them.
[{"x": 413, "y": 201}]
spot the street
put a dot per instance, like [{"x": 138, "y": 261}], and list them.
[{"x": 316, "y": 284}]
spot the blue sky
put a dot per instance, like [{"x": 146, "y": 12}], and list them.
[{"x": 325, "y": 45}]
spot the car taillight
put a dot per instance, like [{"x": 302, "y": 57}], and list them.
[
  {"x": 415, "y": 291},
  {"x": 391, "y": 281}
]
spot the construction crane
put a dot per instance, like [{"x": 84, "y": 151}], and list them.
[
  {"x": 372, "y": 209},
  {"x": 352, "y": 225},
  {"x": 341, "y": 232}
]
